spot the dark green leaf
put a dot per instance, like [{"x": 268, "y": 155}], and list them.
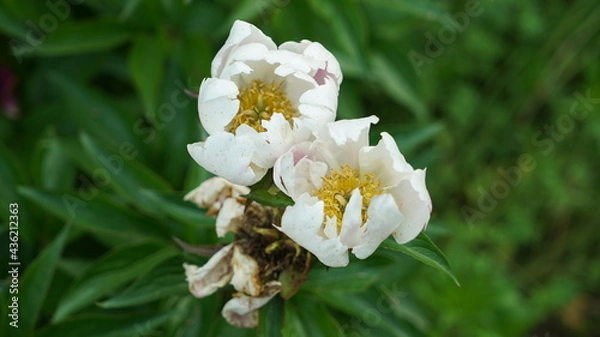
[
  {"x": 124, "y": 325},
  {"x": 94, "y": 212},
  {"x": 424, "y": 250},
  {"x": 292, "y": 324},
  {"x": 146, "y": 63},
  {"x": 165, "y": 280},
  {"x": 355, "y": 279},
  {"x": 396, "y": 85},
  {"x": 111, "y": 272},
  {"x": 180, "y": 210},
  {"x": 271, "y": 318},
  {"x": 70, "y": 37},
  {"x": 318, "y": 321},
  {"x": 125, "y": 174},
  {"x": 36, "y": 281}
]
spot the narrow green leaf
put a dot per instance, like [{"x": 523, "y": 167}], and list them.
[
  {"x": 424, "y": 250},
  {"x": 165, "y": 280},
  {"x": 111, "y": 272},
  {"x": 180, "y": 210},
  {"x": 124, "y": 325},
  {"x": 126, "y": 175},
  {"x": 93, "y": 212},
  {"x": 396, "y": 85},
  {"x": 318, "y": 321},
  {"x": 94, "y": 113},
  {"x": 292, "y": 324},
  {"x": 36, "y": 281},
  {"x": 70, "y": 37},
  {"x": 146, "y": 59},
  {"x": 355, "y": 279},
  {"x": 271, "y": 318}
]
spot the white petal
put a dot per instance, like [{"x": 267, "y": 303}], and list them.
[
  {"x": 385, "y": 161},
  {"x": 415, "y": 209},
  {"x": 339, "y": 142},
  {"x": 207, "y": 193},
  {"x": 383, "y": 218},
  {"x": 241, "y": 33},
  {"x": 296, "y": 173},
  {"x": 228, "y": 156},
  {"x": 230, "y": 210},
  {"x": 315, "y": 51},
  {"x": 213, "y": 275},
  {"x": 217, "y": 104},
  {"x": 302, "y": 222},
  {"x": 242, "y": 311},
  {"x": 278, "y": 138},
  {"x": 350, "y": 234},
  {"x": 245, "y": 273}
]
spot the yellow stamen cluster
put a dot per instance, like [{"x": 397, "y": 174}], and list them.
[
  {"x": 259, "y": 101},
  {"x": 338, "y": 186}
]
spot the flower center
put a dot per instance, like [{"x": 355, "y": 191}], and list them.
[
  {"x": 259, "y": 101},
  {"x": 338, "y": 186}
]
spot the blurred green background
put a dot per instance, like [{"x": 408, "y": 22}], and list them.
[{"x": 500, "y": 100}]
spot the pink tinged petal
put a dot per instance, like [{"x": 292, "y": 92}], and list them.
[
  {"x": 242, "y": 311},
  {"x": 296, "y": 173},
  {"x": 340, "y": 142},
  {"x": 241, "y": 33},
  {"x": 230, "y": 210},
  {"x": 315, "y": 51},
  {"x": 228, "y": 156},
  {"x": 303, "y": 223},
  {"x": 351, "y": 231},
  {"x": 383, "y": 218},
  {"x": 318, "y": 105},
  {"x": 216, "y": 273},
  {"x": 245, "y": 273},
  {"x": 385, "y": 161},
  {"x": 217, "y": 104},
  {"x": 416, "y": 210}
]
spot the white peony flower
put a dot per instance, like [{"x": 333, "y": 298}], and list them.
[
  {"x": 261, "y": 100},
  {"x": 349, "y": 195},
  {"x": 222, "y": 198}
]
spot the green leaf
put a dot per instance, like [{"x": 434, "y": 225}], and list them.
[
  {"x": 411, "y": 136},
  {"x": 271, "y": 318},
  {"x": 111, "y": 272},
  {"x": 268, "y": 199},
  {"x": 424, "y": 250},
  {"x": 124, "y": 325},
  {"x": 124, "y": 174},
  {"x": 69, "y": 38},
  {"x": 353, "y": 278},
  {"x": 396, "y": 85},
  {"x": 146, "y": 65},
  {"x": 94, "y": 212},
  {"x": 318, "y": 321},
  {"x": 36, "y": 280},
  {"x": 161, "y": 282},
  {"x": 93, "y": 112},
  {"x": 423, "y": 9},
  {"x": 292, "y": 324},
  {"x": 179, "y": 209}
]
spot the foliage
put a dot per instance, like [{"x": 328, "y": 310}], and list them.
[{"x": 96, "y": 159}]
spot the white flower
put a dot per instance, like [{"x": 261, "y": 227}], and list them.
[
  {"x": 261, "y": 100},
  {"x": 222, "y": 198},
  {"x": 349, "y": 195}
]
